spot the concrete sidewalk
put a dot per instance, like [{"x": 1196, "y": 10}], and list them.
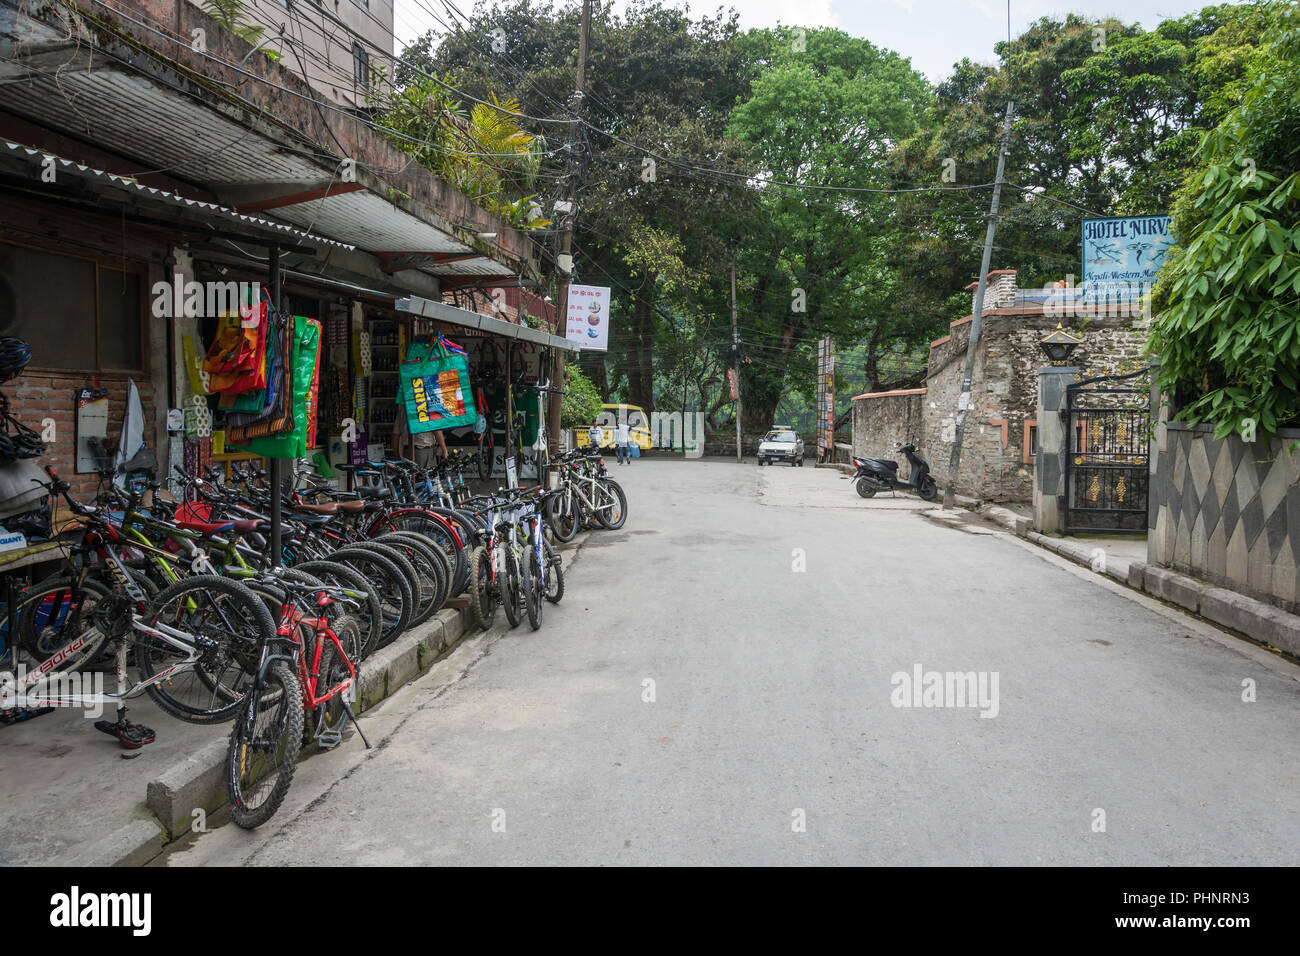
[
  {"x": 1123, "y": 558},
  {"x": 72, "y": 796}
]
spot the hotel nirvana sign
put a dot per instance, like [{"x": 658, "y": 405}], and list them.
[{"x": 1122, "y": 256}]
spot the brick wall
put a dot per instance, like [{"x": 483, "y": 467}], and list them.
[{"x": 35, "y": 396}]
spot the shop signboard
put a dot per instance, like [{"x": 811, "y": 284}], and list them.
[
  {"x": 826, "y": 396},
  {"x": 1122, "y": 256},
  {"x": 587, "y": 324},
  {"x": 357, "y": 450}
]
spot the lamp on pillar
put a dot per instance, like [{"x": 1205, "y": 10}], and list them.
[{"x": 1058, "y": 346}]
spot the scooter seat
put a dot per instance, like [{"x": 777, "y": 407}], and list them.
[{"x": 881, "y": 463}]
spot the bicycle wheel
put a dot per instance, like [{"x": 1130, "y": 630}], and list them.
[
  {"x": 430, "y": 570},
  {"x": 330, "y": 715},
  {"x": 613, "y": 506},
  {"x": 389, "y": 584},
  {"x": 404, "y": 565},
  {"x": 56, "y": 618},
  {"x": 534, "y": 590},
  {"x": 508, "y": 583},
  {"x": 437, "y": 528},
  {"x": 228, "y": 624},
  {"x": 563, "y": 518},
  {"x": 350, "y": 579},
  {"x": 264, "y": 747},
  {"x": 482, "y": 589},
  {"x": 554, "y": 574},
  {"x": 435, "y": 552}
]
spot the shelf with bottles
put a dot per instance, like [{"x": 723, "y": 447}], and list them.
[
  {"x": 385, "y": 335},
  {"x": 382, "y": 415}
]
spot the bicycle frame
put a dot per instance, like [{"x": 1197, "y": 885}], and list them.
[{"x": 177, "y": 638}]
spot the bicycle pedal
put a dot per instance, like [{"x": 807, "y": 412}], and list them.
[{"x": 329, "y": 739}]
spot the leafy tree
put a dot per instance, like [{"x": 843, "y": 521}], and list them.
[
  {"x": 231, "y": 15},
  {"x": 580, "y": 404},
  {"x": 1228, "y": 296},
  {"x": 482, "y": 150},
  {"x": 822, "y": 117}
]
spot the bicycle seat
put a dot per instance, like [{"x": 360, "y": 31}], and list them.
[
  {"x": 326, "y": 508},
  {"x": 242, "y": 526},
  {"x": 311, "y": 520}
]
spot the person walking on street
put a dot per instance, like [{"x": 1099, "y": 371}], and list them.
[
  {"x": 621, "y": 438},
  {"x": 595, "y": 437}
]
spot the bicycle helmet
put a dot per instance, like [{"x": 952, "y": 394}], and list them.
[{"x": 14, "y": 356}]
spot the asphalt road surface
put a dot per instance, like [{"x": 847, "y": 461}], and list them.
[{"x": 724, "y": 684}]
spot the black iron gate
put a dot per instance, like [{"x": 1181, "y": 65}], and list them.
[{"x": 1107, "y": 454}]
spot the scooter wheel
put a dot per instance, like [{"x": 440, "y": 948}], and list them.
[
  {"x": 865, "y": 488},
  {"x": 928, "y": 490}
]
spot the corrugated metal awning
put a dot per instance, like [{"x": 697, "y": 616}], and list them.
[
  {"x": 151, "y": 195},
  {"x": 442, "y": 312}
]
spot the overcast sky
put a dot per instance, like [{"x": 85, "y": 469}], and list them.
[{"x": 935, "y": 34}]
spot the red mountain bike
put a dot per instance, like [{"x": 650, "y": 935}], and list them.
[{"x": 308, "y": 665}]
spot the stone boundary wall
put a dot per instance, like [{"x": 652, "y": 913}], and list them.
[
  {"x": 884, "y": 420},
  {"x": 1228, "y": 511}
]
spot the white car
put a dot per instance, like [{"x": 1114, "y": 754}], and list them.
[{"x": 781, "y": 445}]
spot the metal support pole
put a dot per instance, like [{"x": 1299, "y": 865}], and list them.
[
  {"x": 735, "y": 361},
  {"x": 277, "y": 464},
  {"x": 570, "y": 218},
  {"x": 977, "y": 313}
]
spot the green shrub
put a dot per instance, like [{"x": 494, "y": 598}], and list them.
[{"x": 1227, "y": 328}]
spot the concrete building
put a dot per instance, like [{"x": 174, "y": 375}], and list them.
[{"x": 338, "y": 46}]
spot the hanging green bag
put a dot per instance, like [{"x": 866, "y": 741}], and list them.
[
  {"x": 306, "y": 366},
  {"x": 435, "y": 388}
]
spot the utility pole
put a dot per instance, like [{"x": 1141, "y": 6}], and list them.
[
  {"x": 565, "y": 259},
  {"x": 963, "y": 402},
  {"x": 735, "y": 360}
]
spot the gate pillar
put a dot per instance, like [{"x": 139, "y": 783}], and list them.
[{"x": 1049, "y": 461}]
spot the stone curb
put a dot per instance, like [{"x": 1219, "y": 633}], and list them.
[{"x": 198, "y": 781}]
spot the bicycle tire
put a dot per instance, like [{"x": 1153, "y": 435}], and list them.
[
  {"x": 237, "y": 646},
  {"x": 563, "y": 520},
  {"x": 508, "y": 584},
  {"x": 280, "y": 699},
  {"x": 61, "y": 592},
  {"x": 391, "y": 587},
  {"x": 429, "y": 570},
  {"x": 404, "y": 565},
  {"x": 602, "y": 516},
  {"x": 333, "y": 670},
  {"x": 349, "y": 578},
  {"x": 555, "y": 575},
  {"x": 437, "y": 528},
  {"x": 534, "y": 596},
  {"x": 482, "y": 592},
  {"x": 432, "y": 547}
]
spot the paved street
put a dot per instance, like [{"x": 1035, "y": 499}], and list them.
[{"x": 771, "y": 737}]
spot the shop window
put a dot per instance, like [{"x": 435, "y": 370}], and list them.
[{"x": 74, "y": 313}]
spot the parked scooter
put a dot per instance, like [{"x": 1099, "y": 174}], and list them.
[{"x": 881, "y": 474}]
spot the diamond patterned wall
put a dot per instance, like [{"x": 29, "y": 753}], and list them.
[{"x": 1228, "y": 511}]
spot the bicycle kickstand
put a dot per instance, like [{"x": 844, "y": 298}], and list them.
[{"x": 347, "y": 709}]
